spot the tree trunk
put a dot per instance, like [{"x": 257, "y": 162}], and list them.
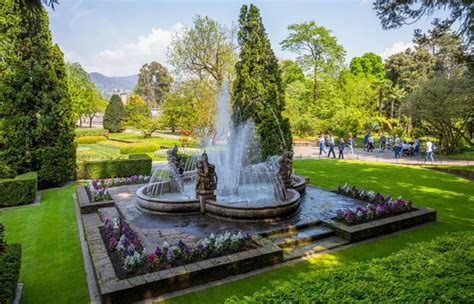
[
  {"x": 392, "y": 108},
  {"x": 315, "y": 86},
  {"x": 380, "y": 101},
  {"x": 90, "y": 121},
  {"x": 80, "y": 121}
]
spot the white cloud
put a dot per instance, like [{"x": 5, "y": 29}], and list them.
[
  {"x": 128, "y": 58},
  {"x": 397, "y": 47}
]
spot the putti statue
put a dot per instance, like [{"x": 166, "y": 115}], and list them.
[
  {"x": 285, "y": 170},
  {"x": 206, "y": 182},
  {"x": 174, "y": 160}
]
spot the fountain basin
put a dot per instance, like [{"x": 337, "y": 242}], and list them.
[{"x": 299, "y": 183}]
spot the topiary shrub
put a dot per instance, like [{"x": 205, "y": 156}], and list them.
[
  {"x": 136, "y": 164},
  {"x": 19, "y": 190},
  {"x": 10, "y": 262},
  {"x": 114, "y": 115},
  {"x": 89, "y": 139}
]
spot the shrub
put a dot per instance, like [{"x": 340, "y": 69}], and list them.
[
  {"x": 132, "y": 148},
  {"x": 114, "y": 115},
  {"x": 439, "y": 271},
  {"x": 90, "y": 139},
  {"x": 80, "y": 132},
  {"x": 10, "y": 262},
  {"x": 135, "y": 164},
  {"x": 19, "y": 190}
]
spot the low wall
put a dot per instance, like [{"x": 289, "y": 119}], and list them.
[{"x": 86, "y": 205}]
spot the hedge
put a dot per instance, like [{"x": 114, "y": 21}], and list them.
[
  {"x": 90, "y": 139},
  {"x": 135, "y": 164},
  {"x": 19, "y": 190},
  {"x": 131, "y": 148},
  {"x": 81, "y": 132},
  {"x": 10, "y": 262},
  {"x": 440, "y": 271}
]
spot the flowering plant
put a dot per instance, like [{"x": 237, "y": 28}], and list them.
[
  {"x": 98, "y": 187},
  {"x": 362, "y": 194}
]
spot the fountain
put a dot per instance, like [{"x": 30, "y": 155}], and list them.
[{"x": 225, "y": 181}]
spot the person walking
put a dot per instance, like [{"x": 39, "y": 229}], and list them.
[
  {"x": 382, "y": 142},
  {"x": 397, "y": 147},
  {"x": 389, "y": 142},
  {"x": 366, "y": 140},
  {"x": 331, "y": 146},
  {"x": 370, "y": 146},
  {"x": 429, "y": 151},
  {"x": 350, "y": 145},
  {"x": 416, "y": 149},
  {"x": 341, "y": 148},
  {"x": 322, "y": 145}
]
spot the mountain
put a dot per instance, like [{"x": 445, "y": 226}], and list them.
[{"x": 107, "y": 84}]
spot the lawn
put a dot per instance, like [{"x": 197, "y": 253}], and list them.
[
  {"x": 451, "y": 196},
  {"x": 97, "y": 152},
  {"x": 52, "y": 267}
]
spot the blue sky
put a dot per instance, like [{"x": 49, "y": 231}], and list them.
[{"x": 115, "y": 37}]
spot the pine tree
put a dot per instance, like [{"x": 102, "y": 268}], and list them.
[
  {"x": 35, "y": 107},
  {"x": 114, "y": 115},
  {"x": 258, "y": 91}
]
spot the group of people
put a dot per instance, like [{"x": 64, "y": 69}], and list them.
[
  {"x": 332, "y": 143},
  {"x": 399, "y": 146}
]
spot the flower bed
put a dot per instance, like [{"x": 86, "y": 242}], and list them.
[
  {"x": 130, "y": 258},
  {"x": 379, "y": 206},
  {"x": 98, "y": 187},
  {"x": 186, "y": 152}
]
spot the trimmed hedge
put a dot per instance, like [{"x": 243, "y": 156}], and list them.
[
  {"x": 10, "y": 262},
  {"x": 440, "y": 271},
  {"x": 136, "y": 164},
  {"x": 81, "y": 132},
  {"x": 19, "y": 190},
  {"x": 131, "y": 148},
  {"x": 90, "y": 139}
]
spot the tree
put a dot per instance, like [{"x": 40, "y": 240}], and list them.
[
  {"x": 396, "y": 13},
  {"x": 206, "y": 50},
  {"x": 258, "y": 93},
  {"x": 317, "y": 50},
  {"x": 154, "y": 82},
  {"x": 368, "y": 65},
  {"x": 447, "y": 105},
  {"x": 86, "y": 99},
  {"x": 35, "y": 106},
  {"x": 290, "y": 72},
  {"x": 114, "y": 115},
  {"x": 139, "y": 116}
]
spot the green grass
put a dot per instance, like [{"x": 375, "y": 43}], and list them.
[
  {"x": 451, "y": 196},
  {"x": 459, "y": 168},
  {"x": 52, "y": 266},
  {"x": 468, "y": 155},
  {"x": 169, "y": 142},
  {"x": 97, "y": 152}
]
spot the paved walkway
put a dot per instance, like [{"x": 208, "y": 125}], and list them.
[{"x": 311, "y": 152}]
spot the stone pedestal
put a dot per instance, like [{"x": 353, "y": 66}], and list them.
[{"x": 202, "y": 201}]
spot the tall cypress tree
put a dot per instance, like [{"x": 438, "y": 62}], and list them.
[
  {"x": 114, "y": 115},
  {"x": 35, "y": 107},
  {"x": 258, "y": 91}
]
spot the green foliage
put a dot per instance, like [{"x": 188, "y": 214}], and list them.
[
  {"x": 139, "y": 148},
  {"x": 258, "y": 93},
  {"x": 10, "y": 262},
  {"x": 291, "y": 72},
  {"x": 90, "y": 139},
  {"x": 19, "y": 190},
  {"x": 154, "y": 82},
  {"x": 35, "y": 107},
  {"x": 114, "y": 115},
  {"x": 136, "y": 164},
  {"x": 139, "y": 116},
  {"x": 80, "y": 132},
  {"x": 436, "y": 271},
  {"x": 368, "y": 65}
]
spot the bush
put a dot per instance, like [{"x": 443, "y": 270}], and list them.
[
  {"x": 136, "y": 164},
  {"x": 439, "y": 271},
  {"x": 131, "y": 148},
  {"x": 80, "y": 132},
  {"x": 10, "y": 262},
  {"x": 90, "y": 139},
  {"x": 19, "y": 190},
  {"x": 114, "y": 115}
]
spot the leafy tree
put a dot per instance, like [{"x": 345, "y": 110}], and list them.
[
  {"x": 35, "y": 106},
  {"x": 154, "y": 82},
  {"x": 317, "y": 50},
  {"x": 206, "y": 50},
  {"x": 298, "y": 98},
  {"x": 139, "y": 116},
  {"x": 291, "y": 72},
  {"x": 396, "y": 13},
  {"x": 114, "y": 115},
  {"x": 446, "y": 104},
  {"x": 86, "y": 100},
  {"x": 258, "y": 92},
  {"x": 368, "y": 65}
]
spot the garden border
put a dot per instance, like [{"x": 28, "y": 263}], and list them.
[
  {"x": 114, "y": 290},
  {"x": 382, "y": 226},
  {"x": 85, "y": 203}
]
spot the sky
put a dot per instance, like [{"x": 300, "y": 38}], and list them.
[{"x": 116, "y": 37}]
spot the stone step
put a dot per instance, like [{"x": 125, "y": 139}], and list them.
[
  {"x": 313, "y": 247},
  {"x": 301, "y": 236}
]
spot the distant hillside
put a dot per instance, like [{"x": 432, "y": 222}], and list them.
[{"x": 105, "y": 83}]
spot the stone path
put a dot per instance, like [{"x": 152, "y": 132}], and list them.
[{"x": 311, "y": 152}]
